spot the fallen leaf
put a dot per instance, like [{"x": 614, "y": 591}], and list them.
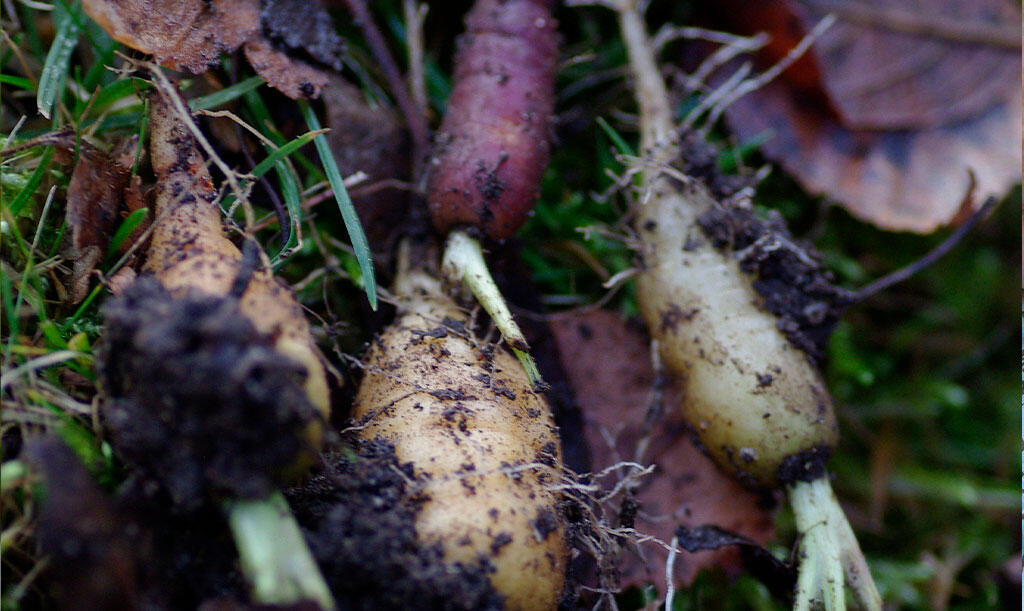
[
  {"x": 191, "y": 35},
  {"x": 918, "y": 93},
  {"x": 95, "y": 194},
  {"x": 182, "y": 35},
  {"x": 291, "y": 77},
  {"x": 609, "y": 367}
]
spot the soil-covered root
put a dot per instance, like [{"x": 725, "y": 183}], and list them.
[
  {"x": 198, "y": 398},
  {"x": 359, "y": 515},
  {"x": 753, "y": 396},
  {"x": 484, "y": 449}
]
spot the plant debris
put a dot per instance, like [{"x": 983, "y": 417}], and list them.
[
  {"x": 192, "y": 34},
  {"x": 900, "y": 100},
  {"x": 686, "y": 487}
]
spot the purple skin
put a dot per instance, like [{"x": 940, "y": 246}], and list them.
[{"x": 492, "y": 148}]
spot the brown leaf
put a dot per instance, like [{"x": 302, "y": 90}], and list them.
[
  {"x": 608, "y": 364},
  {"x": 291, "y": 77},
  {"x": 899, "y": 64},
  {"x": 94, "y": 195},
  {"x": 191, "y": 35},
  {"x": 180, "y": 34},
  {"x": 917, "y": 95}
]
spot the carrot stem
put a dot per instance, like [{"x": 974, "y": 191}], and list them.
[
  {"x": 828, "y": 552},
  {"x": 463, "y": 262},
  {"x": 274, "y": 555}
]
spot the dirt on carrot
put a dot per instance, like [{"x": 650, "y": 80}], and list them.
[
  {"x": 198, "y": 398},
  {"x": 360, "y": 521}
]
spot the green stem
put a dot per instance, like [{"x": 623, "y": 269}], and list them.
[
  {"x": 274, "y": 555},
  {"x": 463, "y": 261},
  {"x": 828, "y": 551}
]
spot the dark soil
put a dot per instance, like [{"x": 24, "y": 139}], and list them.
[
  {"x": 131, "y": 551},
  {"x": 304, "y": 29},
  {"x": 699, "y": 159},
  {"x": 197, "y": 399},
  {"x": 360, "y": 521},
  {"x": 790, "y": 277}
]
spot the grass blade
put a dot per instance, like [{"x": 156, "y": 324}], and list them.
[
  {"x": 17, "y": 81},
  {"x": 127, "y": 227},
  {"x": 273, "y": 158},
  {"x": 33, "y": 183},
  {"x": 619, "y": 142},
  {"x": 55, "y": 69},
  {"x": 348, "y": 211},
  {"x": 219, "y": 98},
  {"x": 292, "y": 201}
]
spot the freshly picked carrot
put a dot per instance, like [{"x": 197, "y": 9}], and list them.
[
  {"x": 214, "y": 385},
  {"x": 492, "y": 148},
  {"x": 755, "y": 400}
]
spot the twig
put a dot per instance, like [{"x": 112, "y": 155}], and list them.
[{"x": 937, "y": 253}]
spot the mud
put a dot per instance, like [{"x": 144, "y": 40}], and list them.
[
  {"x": 789, "y": 275},
  {"x": 196, "y": 398},
  {"x": 126, "y": 551},
  {"x": 359, "y": 518},
  {"x": 699, "y": 159},
  {"x": 779, "y": 577},
  {"x": 304, "y": 29}
]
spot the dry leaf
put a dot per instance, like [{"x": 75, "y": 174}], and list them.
[
  {"x": 94, "y": 196},
  {"x": 180, "y": 34},
  {"x": 918, "y": 93},
  {"x": 191, "y": 35},
  {"x": 291, "y": 77},
  {"x": 608, "y": 364}
]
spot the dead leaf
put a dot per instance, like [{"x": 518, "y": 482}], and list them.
[
  {"x": 182, "y": 35},
  {"x": 94, "y": 196},
  {"x": 609, "y": 367},
  {"x": 917, "y": 95},
  {"x": 191, "y": 35},
  {"x": 291, "y": 77}
]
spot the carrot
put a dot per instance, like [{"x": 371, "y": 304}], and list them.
[
  {"x": 756, "y": 402},
  {"x": 483, "y": 445},
  {"x": 492, "y": 147},
  {"x": 247, "y": 352}
]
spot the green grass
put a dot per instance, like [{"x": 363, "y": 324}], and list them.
[{"x": 924, "y": 375}]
